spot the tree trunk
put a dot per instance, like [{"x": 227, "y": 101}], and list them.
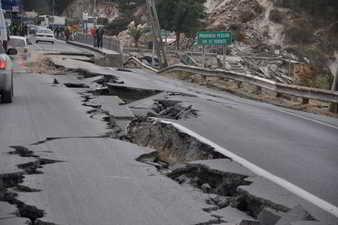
[{"x": 178, "y": 37}]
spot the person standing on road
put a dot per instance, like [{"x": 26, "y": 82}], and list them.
[
  {"x": 67, "y": 33},
  {"x": 57, "y": 32},
  {"x": 93, "y": 32},
  {"x": 100, "y": 33}
]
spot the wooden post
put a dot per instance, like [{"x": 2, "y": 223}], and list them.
[
  {"x": 305, "y": 101},
  {"x": 258, "y": 90},
  {"x": 239, "y": 84}
]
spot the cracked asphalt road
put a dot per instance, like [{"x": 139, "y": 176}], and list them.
[{"x": 98, "y": 180}]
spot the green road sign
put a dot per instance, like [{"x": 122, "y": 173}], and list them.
[{"x": 214, "y": 38}]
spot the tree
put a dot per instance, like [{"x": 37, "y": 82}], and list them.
[
  {"x": 181, "y": 16},
  {"x": 117, "y": 25},
  {"x": 128, "y": 7},
  {"x": 136, "y": 32}
]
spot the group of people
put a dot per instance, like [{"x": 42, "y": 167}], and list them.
[
  {"x": 97, "y": 34},
  {"x": 58, "y": 31}
]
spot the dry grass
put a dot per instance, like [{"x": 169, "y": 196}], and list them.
[{"x": 40, "y": 64}]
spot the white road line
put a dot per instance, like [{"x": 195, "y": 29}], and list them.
[{"x": 324, "y": 205}]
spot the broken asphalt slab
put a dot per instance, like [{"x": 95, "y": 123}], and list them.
[
  {"x": 84, "y": 68},
  {"x": 115, "y": 107},
  {"x": 101, "y": 183}
]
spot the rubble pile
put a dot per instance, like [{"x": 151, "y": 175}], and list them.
[
  {"x": 233, "y": 12},
  {"x": 172, "y": 109}
]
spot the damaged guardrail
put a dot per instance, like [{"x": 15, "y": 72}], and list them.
[{"x": 305, "y": 93}]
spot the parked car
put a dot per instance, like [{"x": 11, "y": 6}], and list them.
[
  {"x": 44, "y": 35},
  {"x": 6, "y": 74},
  {"x": 6, "y": 65},
  {"x": 20, "y": 43}
]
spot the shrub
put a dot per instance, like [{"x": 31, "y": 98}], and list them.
[{"x": 117, "y": 25}]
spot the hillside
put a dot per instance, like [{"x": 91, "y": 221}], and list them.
[{"x": 305, "y": 29}]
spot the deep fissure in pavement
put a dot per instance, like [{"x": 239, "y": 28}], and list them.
[
  {"x": 48, "y": 139},
  {"x": 174, "y": 156},
  {"x": 175, "y": 150},
  {"x": 172, "y": 145},
  {"x": 76, "y": 85},
  {"x": 11, "y": 185},
  {"x": 172, "y": 109},
  {"x": 22, "y": 151},
  {"x": 127, "y": 94}
]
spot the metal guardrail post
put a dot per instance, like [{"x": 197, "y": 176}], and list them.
[
  {"x": 305, "y": 101},
  {"x": 334, "y": 106},
  {"x": 258, "y": 90},
  {"x": 239, "y": 84}
]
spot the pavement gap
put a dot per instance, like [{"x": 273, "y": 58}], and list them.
[{"x": 11, "y": 185}]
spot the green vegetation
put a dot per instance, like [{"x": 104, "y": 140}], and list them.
[
  {"x": 128, "y": 7},
  {"x": 181, "y": 16},
  {"x": 117, "y": 25},
  {"x": 136, "y": 32}
]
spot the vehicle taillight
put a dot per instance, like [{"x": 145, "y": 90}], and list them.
[{"x": 3, "y": 64}]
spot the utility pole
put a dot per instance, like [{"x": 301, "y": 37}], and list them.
[
  {"x": 155, "y": 24},
  {"x": 94, "y": 8},
  {"x": 53, "y": 7}
]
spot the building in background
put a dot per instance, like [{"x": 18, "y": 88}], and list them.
[{"x": 12, "y": 6}]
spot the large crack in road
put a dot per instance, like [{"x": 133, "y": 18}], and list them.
[
  {"x": 176, "y": 155},
  {"x": 174, "y": 148},
  {"x": 11, "y": 185}
]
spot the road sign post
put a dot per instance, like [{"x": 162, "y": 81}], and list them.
[{"x": 212, "y": 38}]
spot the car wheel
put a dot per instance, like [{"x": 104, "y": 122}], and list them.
[
  {"x": 6, "y": 97},
  {"x": 36, "y": 42},
  {"x": 12, "y": 86},
  {"x": 52, "y": 42}
]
